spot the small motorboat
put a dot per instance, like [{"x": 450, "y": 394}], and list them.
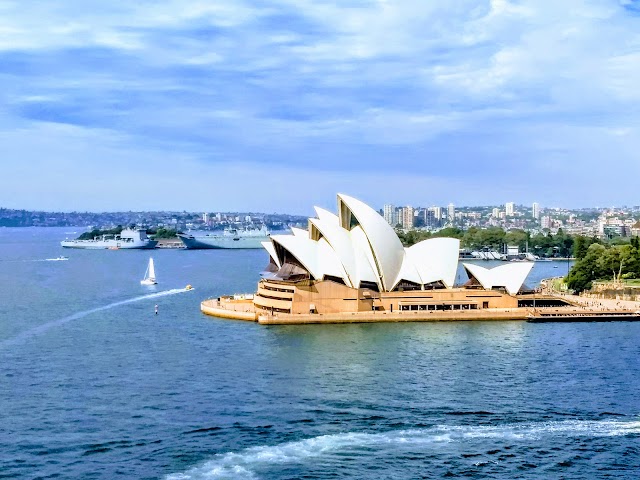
[{"x": 57, "y": 259}]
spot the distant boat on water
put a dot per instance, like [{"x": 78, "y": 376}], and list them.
[
  {"x": 149, "y": 274},
  {"x": 57, "y": 259}
]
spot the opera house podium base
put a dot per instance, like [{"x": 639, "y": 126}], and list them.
[
  {"x": 402, "y": 316},
  {"x": 413, "y": 306},
  {"x": 243, "y": 310}
]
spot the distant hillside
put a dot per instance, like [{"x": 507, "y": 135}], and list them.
[{"x": 159, "y": 219}]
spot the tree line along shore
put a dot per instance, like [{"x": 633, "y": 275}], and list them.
[{"x": 156, "y": 233}]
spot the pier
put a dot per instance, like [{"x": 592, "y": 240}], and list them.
[{"x": 584, "y": 316}]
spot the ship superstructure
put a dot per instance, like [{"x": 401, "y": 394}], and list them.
[{"x": 127, "y": 239}]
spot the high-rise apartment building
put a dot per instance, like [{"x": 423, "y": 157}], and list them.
[
  {"x": 545, "y": 222},
  {"x": 495, "y": 212},
  {"x": 433, "y": 217},
  {"x": 535, "y": 210},
  {"x": 429, "y": 219},
  {"x": 508, "y": 209},
  {"x": 407, "y": 217},
  {"x": 451, "y": 212},
  {"x": 389, "y": 214}
]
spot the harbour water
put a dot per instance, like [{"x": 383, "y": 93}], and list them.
[{"x": 94, "y": 385}]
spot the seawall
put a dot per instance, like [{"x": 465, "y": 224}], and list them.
[
  {"x": 406, "y": 316},
  {"x": 233, "y": 310}
]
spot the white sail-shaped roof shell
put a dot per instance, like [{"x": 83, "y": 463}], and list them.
[
  {"x": 328, "y": 262},
  {"x": 408, "y": 271},
  {"x": 326, "y": 215},
  {"x": 317, "y": 257},
  {"x": 268, "y": 246},
  {"x": 384, "y": 244},
  {"x": 436, "y": 260},
  {"x": 341, "y": 242},
  {"x": 299, "y": 232},
  {"x": 510, "y": 276},
  {"x": 365, "y": 263},
  {"x": 303, "y": 249}
]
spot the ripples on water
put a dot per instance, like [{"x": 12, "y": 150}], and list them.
[{"x": 94, "y": 385}]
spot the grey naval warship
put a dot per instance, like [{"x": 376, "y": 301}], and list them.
[
  {"x": 229, "y": 238},
  {"x": 127, "y": 239}
]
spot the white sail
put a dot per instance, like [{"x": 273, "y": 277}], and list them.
[
  {"x": 152, "y": 270},
  {"x": 149, "y": 274}
]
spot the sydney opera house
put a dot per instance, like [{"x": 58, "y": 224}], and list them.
[{"x": 353, "y": 261}]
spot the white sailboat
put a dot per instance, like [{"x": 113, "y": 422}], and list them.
[{"x": 149, "y": 274}]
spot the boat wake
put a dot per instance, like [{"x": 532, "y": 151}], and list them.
[
  {"x": 248, "y": 463},
  {"x": 57, "y": 259},
  {"x": 56, "y": 323}
]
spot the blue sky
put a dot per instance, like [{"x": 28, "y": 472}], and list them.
[{"x": 277, "y": 105}]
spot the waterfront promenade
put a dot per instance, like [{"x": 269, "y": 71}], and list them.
[{"x": 602, "y": 303}]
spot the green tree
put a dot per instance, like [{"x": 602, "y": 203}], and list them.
[
  {"x": 517, "y": 237},
  {"x": 580, "y": 247},
  {"x": 587, "y": 269},
  {"x": 163, "y": 232},
  {"x": 581, "y": 244},
  {"x": 634, "y": 258},
  {"x": 453, "y": 232},
  {"x": 614, "y": 260},
  {"x": 96, "y": 232},
  {"x": 492, "y": 237}
]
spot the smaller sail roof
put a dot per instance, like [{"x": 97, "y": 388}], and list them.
[
  {"x": 327, "y": 216},
  {"x": 510, "y": 276},
  {"x": 268, "y": 246},
  {"x": 340, "y": 241},
  {"x": 436, "y": 260},
  {"x": 299, "y": 232},
  {"x": 317, "y": 257},
  {"x": 302, "y": 248}
]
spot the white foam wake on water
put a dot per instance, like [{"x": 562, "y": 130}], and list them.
[
  {"x": 56, "y": 323},
  {"x": 57, "y": 259},
  {"x": 247, "y": 463}
]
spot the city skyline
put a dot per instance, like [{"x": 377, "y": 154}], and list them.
[
  {"x": 242, "y": 105},
  {"x": 444, "y": 207},
  {"x": 602, "y": 223}
]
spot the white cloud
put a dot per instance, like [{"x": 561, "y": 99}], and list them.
[{"x": 232, "y": 81}]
